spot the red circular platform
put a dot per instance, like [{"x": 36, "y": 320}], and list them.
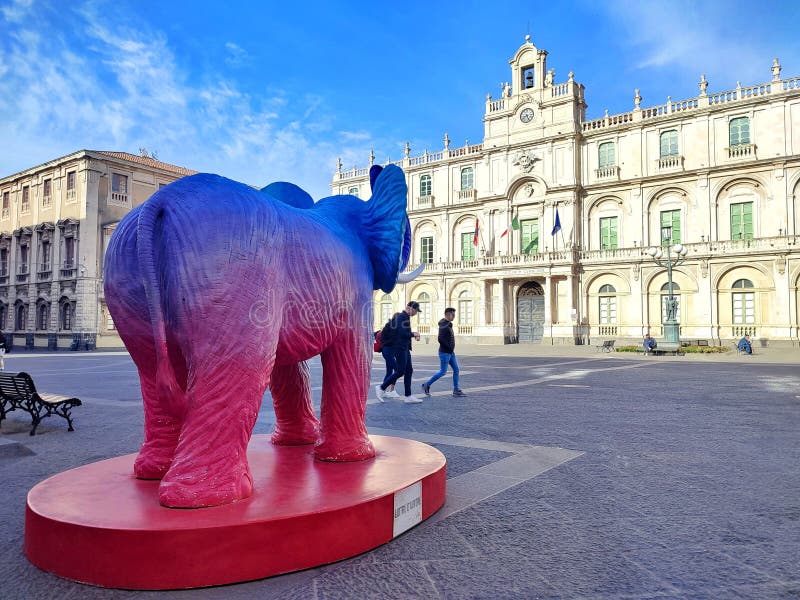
[{"x": 98, "y": 524}]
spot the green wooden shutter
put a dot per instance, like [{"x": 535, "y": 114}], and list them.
[
  {"x": 742, "y": 221},
  {"x": 467, "y": 248},
  {"x": 529, "y": 238},
  {"x": 608, "y": 233},
  {"x": 672, "y": 218}
]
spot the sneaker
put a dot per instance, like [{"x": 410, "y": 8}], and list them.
[
  {"x": 412, "y": 400},
  {"x": 426, "y": 388},
  {"x": 391, "y": 394},
  {"x": 458, "y": 393},
  {"x": 379, "y": 393}
]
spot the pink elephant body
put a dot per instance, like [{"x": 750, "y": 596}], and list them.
[{"x": 220, "y": 291}]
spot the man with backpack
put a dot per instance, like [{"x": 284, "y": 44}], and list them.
[
  {"x": 388, "y": 356},
  {"x": 397, "y": 335}
]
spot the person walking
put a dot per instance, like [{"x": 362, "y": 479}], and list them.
[
  {"x": 447, "y": 353},
  {"x": 387, "y": 352},
  {"x": 3, "y": 350},
  {"x": 400, "y": 336}
]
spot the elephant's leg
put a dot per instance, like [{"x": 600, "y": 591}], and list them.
[
  {"x": 163, "y": 417},
  {"x": 296, "y": 423},
  {"x": 345, "y": 382},
  {"x": 223, "y": 399}
]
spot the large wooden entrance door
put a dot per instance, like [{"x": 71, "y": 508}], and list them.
[{"x": 530, "y": 313}]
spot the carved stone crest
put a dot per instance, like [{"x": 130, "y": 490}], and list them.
[{"x": 525, "y": 161}]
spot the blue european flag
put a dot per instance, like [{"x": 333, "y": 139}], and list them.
[{"x": 557, "y": 226}]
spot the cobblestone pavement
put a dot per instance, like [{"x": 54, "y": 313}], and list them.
[{"x": 571, "y": 474}]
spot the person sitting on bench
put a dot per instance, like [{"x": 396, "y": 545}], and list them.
[
  {"x": 745, "y": 347},
  {"x": 649, "y": 344}
]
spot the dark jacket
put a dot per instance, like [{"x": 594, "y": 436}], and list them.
[
  {"x": 447, "y": 339},
  {"x": 400, "y": 333}
]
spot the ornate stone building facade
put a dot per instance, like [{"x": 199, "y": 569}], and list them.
[
  {"x": 55, "y": 224},
  {"x": 718, "y": 173}
]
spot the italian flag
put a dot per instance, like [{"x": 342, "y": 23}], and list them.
[{"x": 514, "y": 225}]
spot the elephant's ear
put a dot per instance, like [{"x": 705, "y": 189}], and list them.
[
  {"x": 384, "y": 226},
  {"x": 374, "y": 171},
  {"x": 289, "y": 193}
]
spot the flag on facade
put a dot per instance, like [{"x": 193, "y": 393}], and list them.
[
  {"x": 557, "y": 225},
  {"x": 514, "y": 225},
  {"x": 475, "y": 237}
]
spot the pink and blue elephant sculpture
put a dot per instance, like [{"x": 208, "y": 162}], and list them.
[{"x": 220, "y": 291}]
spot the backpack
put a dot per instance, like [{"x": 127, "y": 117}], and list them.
[{"x": 378, "y": 345}]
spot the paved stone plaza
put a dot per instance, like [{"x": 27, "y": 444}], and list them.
[{"x": 571, "y": 474}]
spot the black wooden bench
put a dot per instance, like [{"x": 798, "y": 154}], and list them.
[
  {"x": 17, "y": 392},
  {"x": 607, "y": 346}
]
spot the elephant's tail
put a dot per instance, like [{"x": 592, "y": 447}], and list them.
[
  {"x": 150, "y": 218},
  {"x": 384, "y": 225}
]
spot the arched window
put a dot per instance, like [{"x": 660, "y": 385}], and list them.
[
  {"x": 739, "y": 131},
  {"x": 744, "y": 303},
  {"x": 467, "y": 181},
  {"x": 424, "y": 317},
  {"x": 665, "y": 301},
  {"x": 353, "y": 191},
  {"x": 606, "y": 155},
  {"x": 66, "y": 314},
  {"x": 386, "y": 308},
  {"x": 20, "y": 316},
  {"x": 669, "y": 143},
  {"x": 425, "y": 185},
  {"x": 608, "y": 305},
  {"x": 465, "y": 308},
  {"x": 42, "y": 315}
]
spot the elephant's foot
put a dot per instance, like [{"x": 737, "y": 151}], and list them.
[
  {"x": 153, "y": 460},
  {"x": 360, "y": 448},
  {"x": 148, "y": 466},
  {"x": 198, "y": 484},
  {"x": 306, "y": 432}
]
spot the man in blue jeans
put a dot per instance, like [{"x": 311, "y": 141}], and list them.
[{"x": 447, "y": 353}]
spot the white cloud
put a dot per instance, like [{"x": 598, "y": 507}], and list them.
[
  {"x": 16, "y": 10},
  {"x": 698, "y": 37},
  {"x": 236, "y": 55},
  {"x": 100, "y": 80}
]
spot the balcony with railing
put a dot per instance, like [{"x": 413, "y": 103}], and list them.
[
  {"x": 670, "y": 163},
  {"x": 47, "y": 201},
  {"x": 119, "y": 198},
  {"x": 742, "y": 151},
  {"x": 67, "y": 269},
  {"x": 611, "y": 172},
  {"x": 71, "y": 195},
  {"x": 45, "y": 271},
  {"x": 466, "y": 195},
  {"x": 425, "y": 201},
  {"x": 22, "y": 272}
]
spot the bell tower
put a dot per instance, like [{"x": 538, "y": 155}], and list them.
[
  {"x": 532, "y": 106},
  {"x": 528, "y": 68}
]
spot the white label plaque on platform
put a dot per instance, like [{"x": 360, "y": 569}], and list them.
[{"x": 407, "y": 508}]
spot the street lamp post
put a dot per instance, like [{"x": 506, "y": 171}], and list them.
[{"x": 663, "y": 258}]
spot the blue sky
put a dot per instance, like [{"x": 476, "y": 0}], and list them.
[{"x": 266, "y": 91}]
